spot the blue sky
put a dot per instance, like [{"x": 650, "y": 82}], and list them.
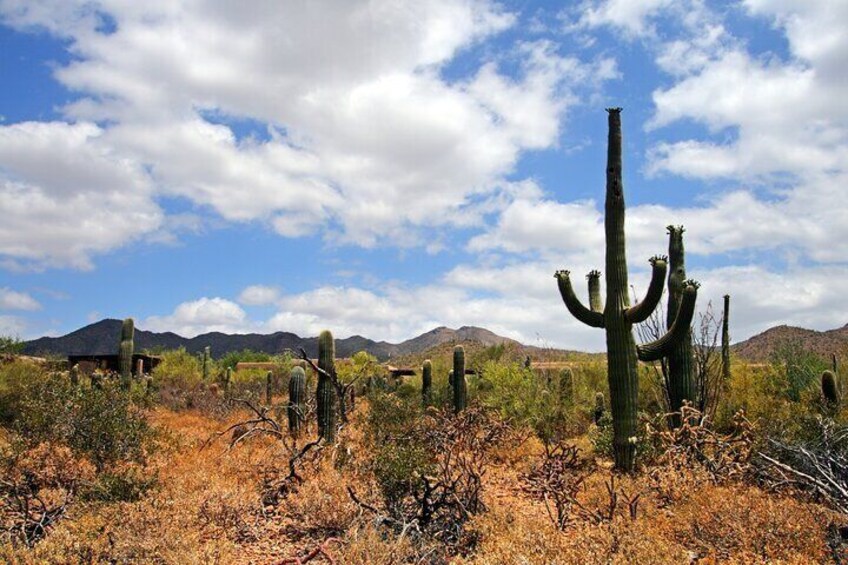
[{"x": 381, "y": 168}]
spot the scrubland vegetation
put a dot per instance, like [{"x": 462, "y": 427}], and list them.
[{"x": 180, "y": 469}]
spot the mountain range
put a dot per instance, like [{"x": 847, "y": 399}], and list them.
[
  {"x": 825, "y": 343},
  {"x": 101, "y": 338}
]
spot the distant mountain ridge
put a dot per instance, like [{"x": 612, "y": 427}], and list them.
[
  {"x": 824, "y": 343},
  {"x": 101, "y": 338}
]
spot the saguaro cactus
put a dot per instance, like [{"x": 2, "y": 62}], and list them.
[
  {"x": 269, "y": 388},
  {"x": 297, "y": 399},
  {"x": 427, "y": 383},
  {"x": 460, "y": 387},
  {"x": 326, "y": 393},
  {"x": 830, "y": 392},
  {"x": 725, "y": 340},
  {"x": 206, "y": 358},
  {"x": 125, "y": 352},
  {"x": 73, "y": 374},
  {"x": 566, "y": 387},
  {"x": 600, "y": 407},
  {"x": 228, "y": 376},
  {"x": 618, "y": 316},
  {"x": 681, "y": 381},
  {"x": 139, "y": 368}
]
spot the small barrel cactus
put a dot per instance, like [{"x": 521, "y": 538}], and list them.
[
  {"x": 830, "y": 391},
  {"x": 460, "y": 387},
  {"x": 326, "y": 394},
  {"x": 427, "y": 383},
  {"x": 125, "y": 352},
  {"x": 297, "y": 399},
  {"x": 600, "y": 407}
]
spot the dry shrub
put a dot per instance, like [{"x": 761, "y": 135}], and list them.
[
  {"x": 320, "y": 506},
  {"x": 370, "y": 545},
  {"x": 739, "y": 523},
  {"x": 694, "y": 444},
  {"x": 36, "y": 486}
]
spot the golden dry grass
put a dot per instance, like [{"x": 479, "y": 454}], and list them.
[{"x": 207, "y": 508}]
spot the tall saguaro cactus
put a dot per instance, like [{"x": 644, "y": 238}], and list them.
[
  {"x": 725, "y": 341},
  {"x": 326, "y": 393},
  {"x": 297, "y": 399},
  {"x": 125, "y": 352},
  {"x": 618, "y": 316},
  {"x": 460, "y": 387},
  {"x": 681, "y": 380},
  {"x": 427, "y": 383}
]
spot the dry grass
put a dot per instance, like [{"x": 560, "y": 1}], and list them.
[{"x": 208, "y": 508}]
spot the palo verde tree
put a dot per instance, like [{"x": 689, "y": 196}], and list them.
[{"x": 618, "y": 316}]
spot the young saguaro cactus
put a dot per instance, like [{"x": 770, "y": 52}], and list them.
[
  {"x": 269, "y": 388},
  {"x": 681, "y": 380},
  {"x": 207, "y": 354},
  {"x": 830, "y": 391},
  {"x": 326, "y": 393},
  {"x": 460, "y": 386},
  {"x": 228, "y": 376},
  {"x": 125, "y": 352},
  {"x": 566, "y": 387},
  {"x": 427, "y": 383},
  {"x": 297, "y": 399},
  {"x": 600, "y": 407},
  {"x": 618, "y": 316}
]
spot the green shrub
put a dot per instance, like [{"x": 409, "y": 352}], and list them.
[
  {"x": 15, "y": 378},
  {"x": 178, "y": 369},
  {"x": 102, "y": 424},
  {"x": 233, "y": 358}
]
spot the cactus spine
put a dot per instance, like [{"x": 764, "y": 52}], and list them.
[
  {"x": 460, "y": 387},
  {"x": 725, "y": 341},
  {"x": 125, "y": 352},
  {"x": 427, "y": 383},
  {"x": 269, "y": 388},
  {"x": 681, "y": 381},
  {"x": 326, "y": 393},
  {"x": 829, "y": 390},
  {"x": 618, "y": 316},
  {"x": 297, "y": 399}
]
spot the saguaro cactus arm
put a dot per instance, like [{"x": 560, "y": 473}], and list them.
[
  {"x": 577, "y": 309},
  {"x": 642, "y": 311},
  {"x": 596, "y": 303},
  {"x": 661, "y": 347}
]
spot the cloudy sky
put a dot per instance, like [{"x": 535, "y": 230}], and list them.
[{"x": 384, "y": 167}]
